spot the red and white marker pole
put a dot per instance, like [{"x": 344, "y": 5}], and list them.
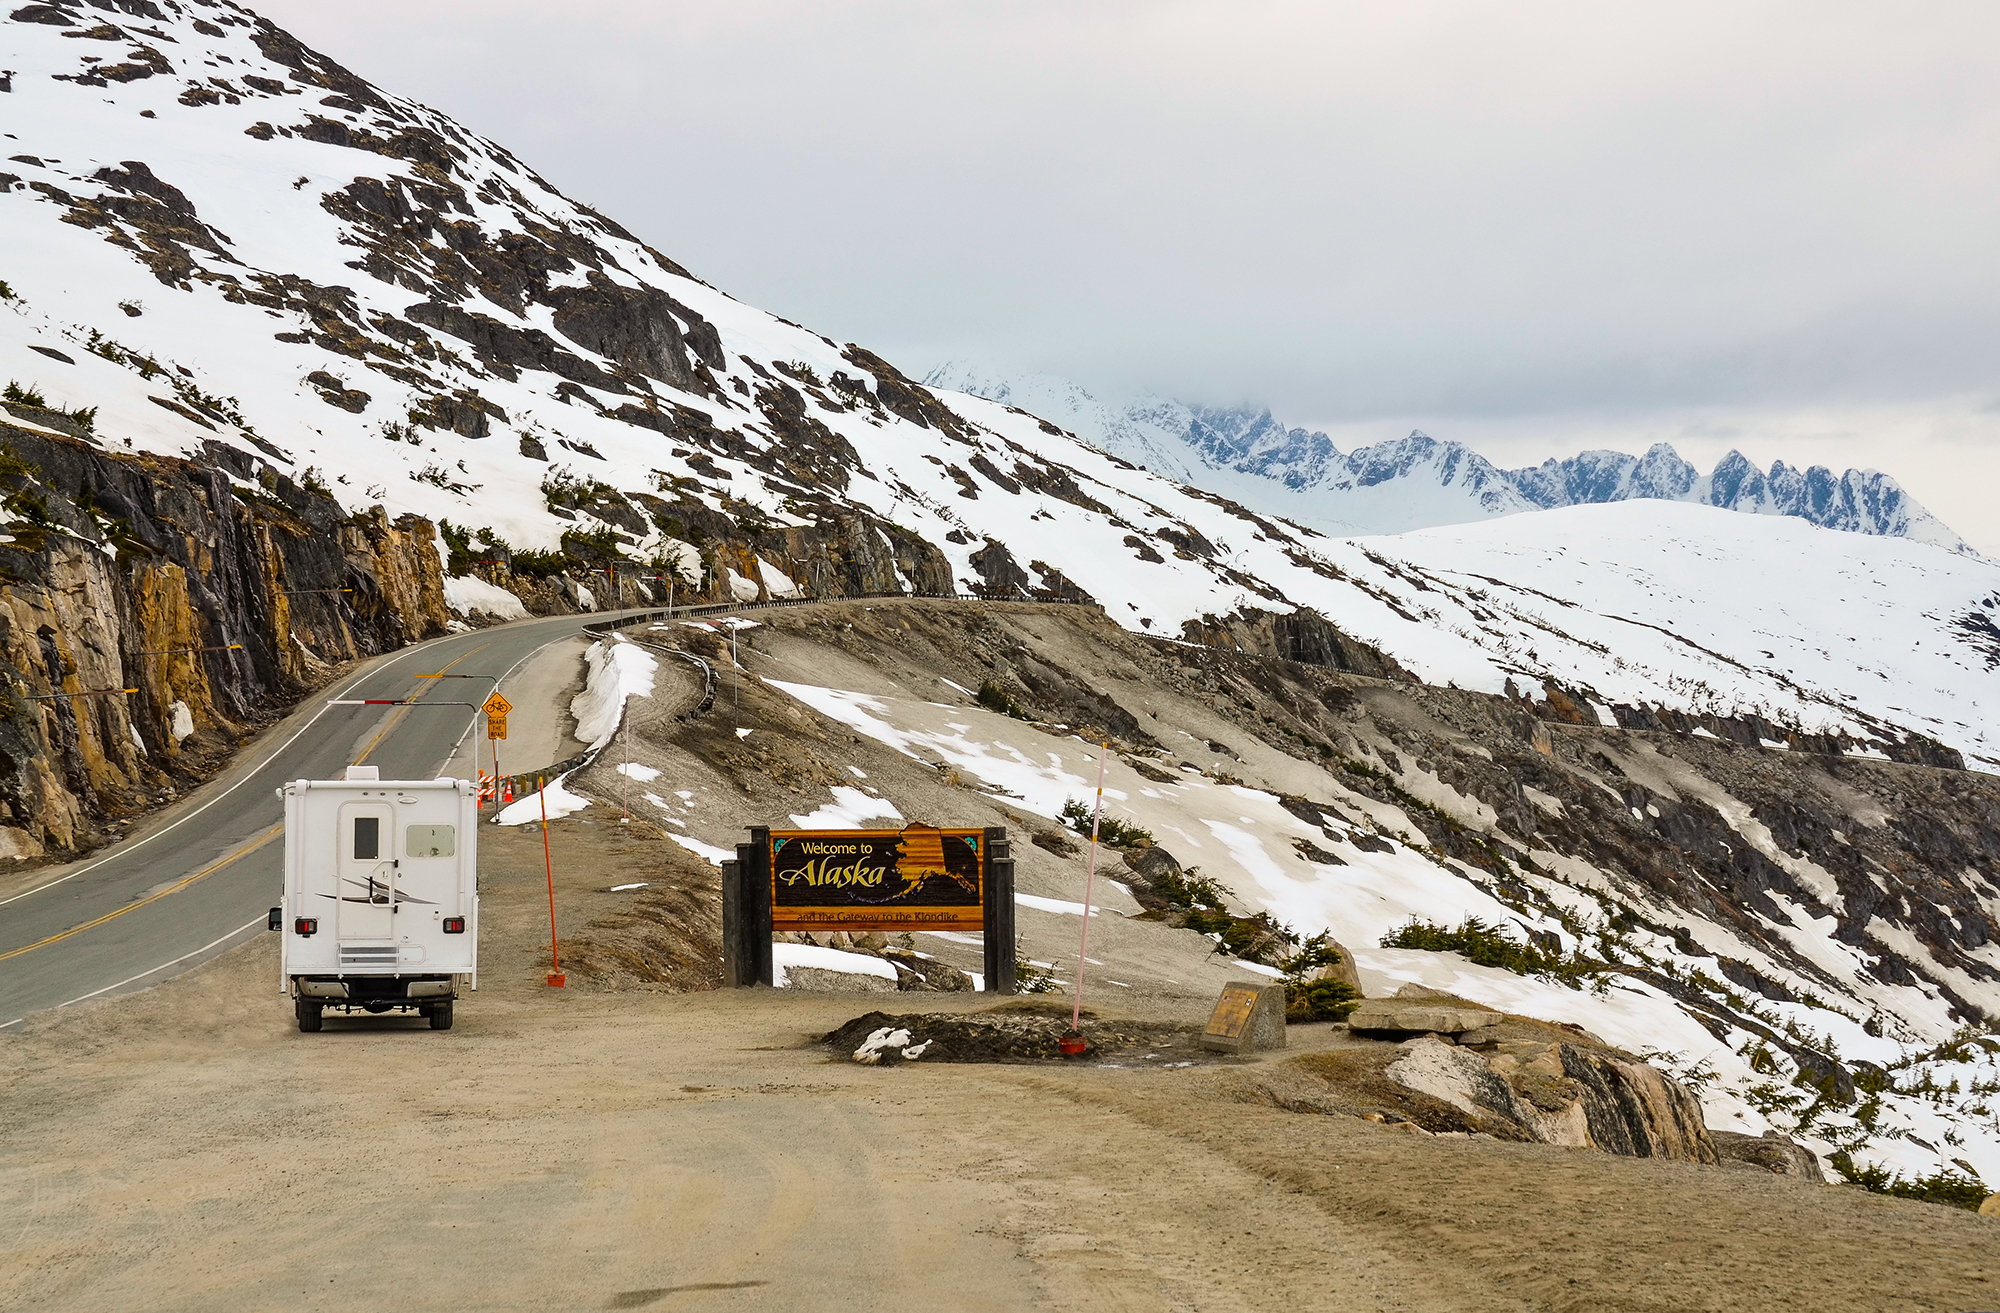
[
  {"x": 1089, "y": 884},
  {"x": 556, "y": 977}
]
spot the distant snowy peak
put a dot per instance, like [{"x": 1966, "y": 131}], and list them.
[
  {"x": 1858, "y": 501},
  {"x": 1419, "y": 482},
  {"x": 1252, "y": 442}
]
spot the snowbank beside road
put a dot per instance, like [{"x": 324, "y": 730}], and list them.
[{"x": 618, "y": 671}]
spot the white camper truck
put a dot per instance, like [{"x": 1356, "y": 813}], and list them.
[{"x": 381, "y": 905}]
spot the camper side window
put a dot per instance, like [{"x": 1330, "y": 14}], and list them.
[
  {"x": 367, "y": 838},
  {"x": 430, "y": 841}
]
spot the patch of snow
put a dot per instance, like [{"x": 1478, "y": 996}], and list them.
[
  {"x": 618, "y": 671},
  {"x": 825, "y": 959},
  {"x": 776, "y": 582},
  {"x": 180, "y": 721},
  {"x": 635, "y": 771},
  {"x": 849, "y": 810},
  {"x": 621, "y": 888},
  {"x": 527, "y": 810},
  {"x": 713, "y": 855},
  {"x": 468, "y": 593},
  {"x": 1056, "y": 905}
]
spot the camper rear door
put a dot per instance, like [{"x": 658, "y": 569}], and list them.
[{"x": 367, "y": 871}]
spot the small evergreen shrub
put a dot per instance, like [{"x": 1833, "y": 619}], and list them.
[
  {"x": 994, "y": 698},
  {"x": 23, "y": 396},
  {"x": 1188, "y": 889},
  {"x": 1031, "y": 979},
  {"x": 1319, "y": 1000},
  {"x": 1110, "y": 829},
  {"x": 1488, "y": 946},
  {"x": 1309, "y": 998},
  {"x": 1951, "y": 1188}
]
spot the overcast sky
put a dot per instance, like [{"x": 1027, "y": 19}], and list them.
[{"x": 1534, "y": 228}]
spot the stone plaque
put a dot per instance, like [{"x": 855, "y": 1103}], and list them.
[{"x": 1249, "y": 1016}]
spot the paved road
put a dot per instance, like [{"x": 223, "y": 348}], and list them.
[{"x": 201, "y": 880}]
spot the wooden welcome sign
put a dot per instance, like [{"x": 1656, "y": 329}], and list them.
[{"x": 917, "y": 878}]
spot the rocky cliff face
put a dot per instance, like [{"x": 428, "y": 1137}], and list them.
[{"x": 218, "y": 594}]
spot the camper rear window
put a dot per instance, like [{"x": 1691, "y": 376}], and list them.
[{"x": 367, "y": 838}]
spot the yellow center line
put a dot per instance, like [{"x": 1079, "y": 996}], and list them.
[
  {"x": 396, "y": 717},
  {"x": 248, "y": 848}
]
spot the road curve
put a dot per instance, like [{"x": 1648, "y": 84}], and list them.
[{"x": 201, "y": 879}]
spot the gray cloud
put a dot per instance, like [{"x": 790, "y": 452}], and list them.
[{"x": 1411, "y": 214}]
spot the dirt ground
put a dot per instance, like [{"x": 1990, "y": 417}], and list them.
[{"x": 623, "y": 1145}]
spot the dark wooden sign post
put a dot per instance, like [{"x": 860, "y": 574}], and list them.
[{"x": 916, "y": 878}]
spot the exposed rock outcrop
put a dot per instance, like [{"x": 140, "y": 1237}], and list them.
[
  {"x": 1548, "y": 1089},
  {"x": 218, "y": 593}
]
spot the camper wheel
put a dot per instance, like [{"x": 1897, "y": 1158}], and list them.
[
  {"x": 441, "y": 1016},
  {"x": 310, "y": 1019}
]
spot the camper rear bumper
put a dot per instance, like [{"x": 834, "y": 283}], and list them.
[{"x": 379, "y": 991}]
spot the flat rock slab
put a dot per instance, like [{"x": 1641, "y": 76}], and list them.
[{"x": 1400, "y": 1017}]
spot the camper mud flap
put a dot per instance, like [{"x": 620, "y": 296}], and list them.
[
  {"x": 322, "y": 988},
  {"x": 429, "y": 989}
]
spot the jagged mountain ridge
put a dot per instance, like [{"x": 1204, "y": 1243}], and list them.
[
  {"x": 1420, "y": 482},
  {"x": 230, "y": 249}
]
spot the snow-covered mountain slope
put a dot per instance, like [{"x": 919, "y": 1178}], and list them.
[
  {"x": 212, "y": 234},
  {"x": 1419, "y": 482},
  {"x": 1662, "y": 603}
]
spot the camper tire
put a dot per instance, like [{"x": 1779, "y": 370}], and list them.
[
  {"x": 441, "y": 1015},
  {"x": 310, "y": 1018}
]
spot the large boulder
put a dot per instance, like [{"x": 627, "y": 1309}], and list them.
[
  {"x": 1772, "y": 1151},
  {"x": 1522, "y": 1080},
  {"x": 1344, "y": 969}
]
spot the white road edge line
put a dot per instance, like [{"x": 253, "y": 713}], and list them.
[
  {"x": 81, "y": 998},
  {"x": 248, "y": 776},
  {"x": 473, "y": 722}
]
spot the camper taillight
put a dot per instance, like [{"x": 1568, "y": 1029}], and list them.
[
  {"x": 305, "y": 925},
  {"x": 454, "y": 925}
]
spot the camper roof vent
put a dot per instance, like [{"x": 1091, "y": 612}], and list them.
[{"x": 364, "y": 773}]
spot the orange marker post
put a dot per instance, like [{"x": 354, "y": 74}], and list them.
[{"x": 556, "y": 977}]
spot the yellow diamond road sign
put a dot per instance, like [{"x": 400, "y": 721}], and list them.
[{"x": 496, "y": 710}]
